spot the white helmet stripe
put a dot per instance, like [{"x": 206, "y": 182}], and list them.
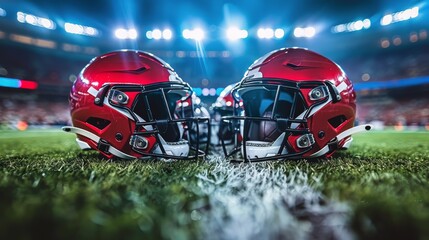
[
  {"x": 94, "y": 93},
  {"x": 341, "y": 87},
  {"x": 341, "y": 136},
  {"x": 96, "y": 139}
]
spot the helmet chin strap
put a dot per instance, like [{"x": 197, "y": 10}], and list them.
[
  {"x": 95, "y": 138},
  {"x": 341, "y": 136}
]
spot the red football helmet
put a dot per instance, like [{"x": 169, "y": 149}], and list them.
[
  {"x": 124, "y": 104},
  {"x": 297, "y": 104}
]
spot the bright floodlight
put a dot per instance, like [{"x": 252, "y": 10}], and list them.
[
  {"x": 167, "y": 34},
  {"x": 80, "y": 29},
  {"x": 46, "y": 23},
  {"x": 358, "y": 25},
  {"x": 407, "y": 14},
  {"x": 414, "y": 12},
  {"x": 261, "y": 33},
  {"x": 156, "y": 34},
  {"x": 339, "y": 28},
  {"x": 149, "y": 35},
  {"x": 196, "y": 34},
  {"x": 20, "y": 16},
  {"x": 386, "y": 20},
  {"x": 352, "y": 26},
  {"x": 307, "y": 32},
  {"x": 122, "y": 33},
  {"x": 30, "y": 19},
  {"x": 35, "y": 21},
  {"x": 366, "y": 23},
  {"x": 234, "y": 33},
  {"x": 186, "y": 34},
  {"x": 91, "y": 31},
  {"x": 298, "y": 32},
  {"x": 132, "y": 34},
  {"x": 73, "y": 28},
  {"x": 206, "y": 91},
  {"x": 269, "y": 33},
  {"x": 279, "y": 33}
]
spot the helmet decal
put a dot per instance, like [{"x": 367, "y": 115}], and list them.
[{"x": 254, "y": 73}]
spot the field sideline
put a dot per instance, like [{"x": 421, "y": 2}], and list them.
[{"x": 378, "y": 189}]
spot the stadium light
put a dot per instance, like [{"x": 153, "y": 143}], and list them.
[
  {"x": 266, "y": 33},
  {"x": 352, "y": 26},
  {"x": 122, "y": 33},
  {"x": 167, "y": 34},
  {"x": 35, "y": 20},
  {"x": 205, "y": 92},
  {"x": 386, "y": 20},
  {"x": 80, "y": 29},
  {"x": 234, "y": 33},
  {"x": 307, "y": 32},
  {"x": 279, "y": 33},
  {"x": 197, "y": 34},
  {"x": 157, "y": 34},
  {"x": 407, "y": 14},
  {"x": 149, "y": 35}
]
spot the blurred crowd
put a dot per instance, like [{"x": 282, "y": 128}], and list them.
[
  {"x": 386, "y": 66},
  {"x": 383, "y": 112},
  {"x": 24, "y": 114},
  {"x": 382, "y": 65},
  {"x": 399, "y": 113}
]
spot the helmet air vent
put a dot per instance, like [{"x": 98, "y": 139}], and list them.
[
  {"x": 98, "y": 122},
  {"x": 337, "y": 121}
]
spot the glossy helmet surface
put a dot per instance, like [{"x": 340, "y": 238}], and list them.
[
  {"x": 124, "y": 104},
  {"x": 297, "y": 104}
]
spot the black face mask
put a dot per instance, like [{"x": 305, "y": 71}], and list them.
[
  {"x": 154, "y": 110},
  {"x": 153, "y": 107}
]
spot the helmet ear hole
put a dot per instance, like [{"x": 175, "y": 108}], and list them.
[
  {"x": 98, "y": 122},
  {"x": 337, "y": 121}
]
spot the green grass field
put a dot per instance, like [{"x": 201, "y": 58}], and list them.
[{"x": 51, "y": 189}]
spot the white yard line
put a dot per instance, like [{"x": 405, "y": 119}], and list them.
[{"x": 259, "y": 201}]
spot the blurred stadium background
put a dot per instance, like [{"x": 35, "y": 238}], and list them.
[{"x": 382, "y": 45}]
